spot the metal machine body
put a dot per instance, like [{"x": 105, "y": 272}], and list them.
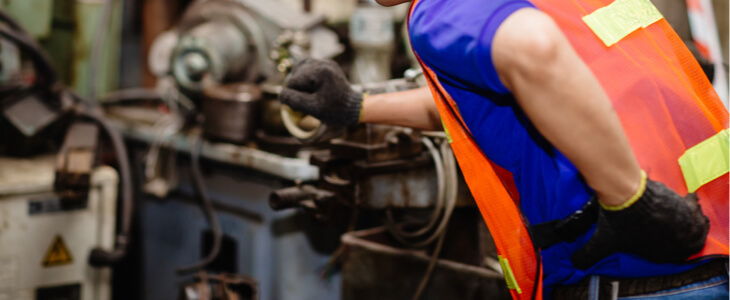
[
  {"x": 219, "y": 41},
  {"x": 370, "y": 166},
  {"x": 283, "y": 250},
  {"x": 45, "y": 245}
]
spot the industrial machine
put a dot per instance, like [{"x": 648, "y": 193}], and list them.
[
  {"x": 230, "y": 58},
  {"x": 219, "y": 41},
  {"x": 271, "y": 203},
  {"x": 46, "y": 240}
]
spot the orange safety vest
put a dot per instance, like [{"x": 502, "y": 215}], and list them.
[{"x": 656, "y": 87}]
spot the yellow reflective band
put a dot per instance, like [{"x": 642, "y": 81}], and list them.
[
  {"x": 633, "y": 199},
  {"x": 620, "y": 18},
  {"x": 706, "y": 161},
  {"x": 508, "y": 275},
  {"x": 446, "y": 130}
]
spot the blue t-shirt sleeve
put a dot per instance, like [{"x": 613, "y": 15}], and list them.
[{"x": 454, "y": 38}]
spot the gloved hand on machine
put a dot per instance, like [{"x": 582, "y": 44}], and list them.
[
  {"x": 320, "y": 88},
  {"x": 656, "y": 223}
]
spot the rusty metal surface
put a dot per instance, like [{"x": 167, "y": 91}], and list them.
[
  {"x": 397, "y": 183},
  {"x": 373, "y": 269},
  {"x": 317, "y": 203},
  {"x": 378, "y": 143},
  {"x": 412, "y": 188},
  {"x": 283, "y": 167}
]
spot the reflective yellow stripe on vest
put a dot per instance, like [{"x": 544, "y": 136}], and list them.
[
  {"x": 620, "y": 18},
  {"x": 706, "y": 161},
  {"x": 509, "y": 276}
]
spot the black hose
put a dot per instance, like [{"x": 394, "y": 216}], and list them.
[
  {"x": 207, "y": 206},
  {"x": 100, "y": 257},
  {"x": 7, "y": 19},
  {"x": 44, "y": 67}
]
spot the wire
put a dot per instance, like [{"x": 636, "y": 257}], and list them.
[
  {"x": 7, "y": 19},
  {"x": 207, "y": 206},
  {"x": 451, "y": 188},
  {"x": 450, "y": 167},
  {"x": 100, "y": 257},
  {"x": 440, "y": 196},
  {"x": 44, "y": 67},
  {"x": 431, "y": 265}
]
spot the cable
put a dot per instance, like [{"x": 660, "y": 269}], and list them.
[
  {"x": 431, "y": 265},
  {"x": 450, "y": 166},
  {"x": 7, "y": 19},
  {"x": 43, "y": 64},
  {"x": 440, "y": 195},
  {"x": 207, "y": 205},
  {"x": 100, "y": 257},
  {"x": 451, "y": 187}
]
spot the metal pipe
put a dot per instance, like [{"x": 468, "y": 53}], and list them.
[{"x": 289, "y": 197}]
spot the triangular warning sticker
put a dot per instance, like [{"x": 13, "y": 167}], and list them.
[{"x": 57, "y": 254}]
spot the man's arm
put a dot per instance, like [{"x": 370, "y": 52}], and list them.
[
  {"x": 319, "y": 88},
  {"x": 560, "y": 95},
  {"x": 413, "y": 108}
]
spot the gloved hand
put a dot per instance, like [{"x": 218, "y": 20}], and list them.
[
  {"x": 659, "y": 226},
  {"x": 320, "y": 89}
]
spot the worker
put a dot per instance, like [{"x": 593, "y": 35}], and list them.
[{"x": 583, "y": 126}]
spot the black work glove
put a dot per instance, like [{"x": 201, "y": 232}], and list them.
[
  {"x": 320, "y": 89},
  {"x": 661, "y": 227}
]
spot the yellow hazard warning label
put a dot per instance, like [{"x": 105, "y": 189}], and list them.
[{"x": 57, "y": 254}]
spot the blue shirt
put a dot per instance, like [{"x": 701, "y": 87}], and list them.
[{"x": 454, "y": 38}]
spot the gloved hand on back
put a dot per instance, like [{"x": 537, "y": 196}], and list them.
[
  {"x": 657, "y": 224},
  {"x": 319, "y": 88}
]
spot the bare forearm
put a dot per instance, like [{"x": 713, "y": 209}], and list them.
[
  {"x": 413, "y": 108},
  {"x": 566, "y": 103}
]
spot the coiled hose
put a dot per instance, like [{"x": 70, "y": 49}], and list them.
[
  {"x": 447, "y": 194},
  {"x": 447, "y": 182}
]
